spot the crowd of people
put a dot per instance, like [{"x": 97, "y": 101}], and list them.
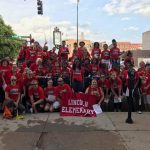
[{"x": 40, "y": 77}]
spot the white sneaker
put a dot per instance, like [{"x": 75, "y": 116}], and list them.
[{"x": 139, "y": 112}]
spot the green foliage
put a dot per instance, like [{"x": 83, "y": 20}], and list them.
[{"x": 9, "y": 42}]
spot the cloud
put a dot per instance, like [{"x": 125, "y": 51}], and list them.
[
  {"x": 42, "y": 26},
  {"x": 141, "y": 7},
  {"x": 131, "y": 28},
  {"x": 125, "y": 19}
]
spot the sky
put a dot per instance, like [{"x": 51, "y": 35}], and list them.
[{"x": 100, "y": 20}]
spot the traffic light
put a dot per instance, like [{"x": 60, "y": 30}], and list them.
[{"x": 40, "y": 7}]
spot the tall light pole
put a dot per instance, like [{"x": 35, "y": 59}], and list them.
[{"x": 77, "y": 22}]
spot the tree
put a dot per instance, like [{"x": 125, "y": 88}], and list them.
[{"x": 9, "y": 44}]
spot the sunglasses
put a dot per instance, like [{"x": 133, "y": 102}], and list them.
[{"x": 60, "y": 81}]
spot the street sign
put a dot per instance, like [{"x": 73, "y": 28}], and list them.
[{"x": 56, "y": 37}]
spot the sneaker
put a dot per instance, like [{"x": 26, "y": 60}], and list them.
[{"x": 139, "y": 112}]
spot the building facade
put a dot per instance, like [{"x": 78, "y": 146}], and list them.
[{"x": 146, "y": 40}]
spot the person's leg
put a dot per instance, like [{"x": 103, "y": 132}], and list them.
[
  {"x": 47, "y": 107},
  {"x": 115, "y": 107},
  {"x": 120, "y": 106},
  {"x": 21, "y": 109},
  {"x": 80, "y": 86},
  {"x": 74, "y": 86},
  {"x": 40, "y": 107},
  {"x": 148, "y": 102}
]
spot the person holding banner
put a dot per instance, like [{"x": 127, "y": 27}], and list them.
[
  {"x": 62, "y": 89},
  {"x": 93, "y": 89}
]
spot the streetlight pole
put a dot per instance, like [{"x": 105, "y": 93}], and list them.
[{"x": 77, "y": 22}]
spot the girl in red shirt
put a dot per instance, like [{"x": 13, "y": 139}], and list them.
[
  {"x": 116, "y": 87},
  {"x": 77, "y": 76},
  {"x": 50, "y": 97},
  {"x": 96, "y": 51},
  {"x": 105, "y": 56}
]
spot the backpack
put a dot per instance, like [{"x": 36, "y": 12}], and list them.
[{"x": 7, "y": 114}]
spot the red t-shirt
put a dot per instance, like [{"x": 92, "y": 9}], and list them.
[
  {"x": 105, "y": 55},
  {"x": 94, "y": 68},
  {"x": 34, "y": 67},
  {"x": 115, "y": 84},
  {"x": 63, "y": 52},
  {"x": 114, "y": 53},
  {"x": 96, "y": 51},
  {"x": 65, "y": 72},
  {"x": 103, "y": 84},
  {"x": 49, "y": 91},
  {"x": 23, "y": 52},
  {"x": 4, "y": 69},
  {"x": 61, "y": 88},
  {"x": 125, "y": 75},
  {"x": 40, "y": 72},
  {"x": 39, "y": 54},
  {"x": 56, "y": 71},
  {"x": 37, "y": 93},
  {"x": 27, "y": 81},
  {"x": 77, "y": 74},
  {"x": 31, "y": 55},
  {"x": 13, "y": 91}
]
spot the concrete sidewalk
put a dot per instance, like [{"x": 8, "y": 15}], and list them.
[{"x": 108, "y": 131}]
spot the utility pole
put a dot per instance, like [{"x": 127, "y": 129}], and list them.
[{"x": 77, "y": 22}]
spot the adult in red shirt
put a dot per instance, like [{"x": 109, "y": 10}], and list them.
[
  {"x": 115, "y": 55},
  {"x": 31, "y": 55},
  {"x": 4, "y": 67},
  {"x": 129, "y": 57},
  {"x": 63, "y": 51},
  {"x": 39, "y": 51},
  {"x": 12, "y": 72},
  {"x": 12, "y": 96},
  {"x": 21, "y": 66},
  {"x": 23, "y": 51},
  {"x": 104, "y": 84},
  {"x": 147, "y": 87},
  {"x": 35, "y": 65},
  {"x": 93, "y": 89},
  {"x": 141, "y": 69},
  {"x": 27, "y": 81},
  {"x": 116, "y": 87},
  {"x": 65, "y": 72},
  {"x": 96, "y": 51},
  {"x": 62, "y": 89},
  {"x": 37, "y": 96}
]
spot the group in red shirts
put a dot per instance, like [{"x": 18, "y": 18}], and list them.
[{"x": 40, "y": 78}]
